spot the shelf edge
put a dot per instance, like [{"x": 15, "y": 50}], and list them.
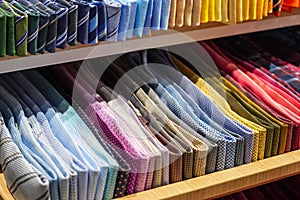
[
  {"x": 159, "y": 39},
  {"x": 228, "y": 181}
]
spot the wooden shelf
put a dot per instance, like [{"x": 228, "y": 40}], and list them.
[
  {"x": 157, "y": 39},
  {"x": 228, "y": 181},
  {"x": 216, "y": 184}
]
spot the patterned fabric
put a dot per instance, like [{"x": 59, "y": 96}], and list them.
[
  {"x": 264, "y": 96},
  {"x": 72, "y": 164},
  {"x": 243, "y": 112},
  {"x": 124, "y": 168},
  {"x": 19, "y": 30},
  {"x": 72, "y": 21},
  {"x": 283, "y": 72},
  {"x": 119, "y": 106},
  {"x": 113, "y": 12},
  {"x": 60, "y": 130},
  {"x": 102, "y": 20},
  {"x": 40, "y": 141},
  {"x": 83, "y": 21},
  {"x": 10, "y": 30},
  {"x": 205, "y": 131},
  {"x": 33, "y": 25},
  {"x": 162, "y": 118},
  {"x": 105, "y": 119},
  {"x": 212, "y": 111},
  {"x": 172, "y": 91},
  {"x": 286, "y": 126},
  {"x": 32, "y": 152},
  {"x": 83, "y": 130},
  {"x": 52, "y": 26},
  {"x": 268, "y": 96},
  {"x": 113, "y": 131},
  {"x": 21, "y": 34},
  {"x": 62, "y": 22},
  {"x": 22, "y": 178},
  {"x": 43, "y": 25},
  {"x": 93, "y": 25}
]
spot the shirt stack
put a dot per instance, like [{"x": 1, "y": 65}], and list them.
[
  {"x": 152, "y": 118},
  {"x": 36, "y": 26}
]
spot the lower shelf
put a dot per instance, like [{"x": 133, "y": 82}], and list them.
[{"x": 216, "y": 184}]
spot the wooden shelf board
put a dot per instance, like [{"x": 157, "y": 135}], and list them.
[
  {"x": 155, "y": 40},
  {"x": 218, "y": 183},
  {"x": 228, "y": 181}
]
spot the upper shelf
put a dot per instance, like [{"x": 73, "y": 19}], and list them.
[{"x": 157, "y": 39}]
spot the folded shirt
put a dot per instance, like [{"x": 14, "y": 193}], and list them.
[
  {"x": 72, "y": 21},
  {"x": 62, "y": 22},
  {"x": 3, "y": 33},
  {"x": 17, "y": 25},
  {"x": 33, "y": 26},
  {"x": 43, "y": 26},
  {"x": 113, "y": 14},
  {"x": 142, "y": 7},
  {"x": 52, "y": 26},
  {"x": 148, "y": 19},
  {"x": 157, "y": 15},
  {"x": 132, "y": 18},
  {"x": 124, "y": 19}
]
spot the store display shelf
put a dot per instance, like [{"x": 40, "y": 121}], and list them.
[
  {"x": 228, "y": 181},
  {"x": 216, "y": 184},
  {"x": 156, "y": 39}
]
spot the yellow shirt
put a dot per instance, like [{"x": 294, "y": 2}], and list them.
[
  {"x": 252, "y": 9},
  {"x": 266, "y": 8},
  {"x": 246, "y": 5},
  {"x": 225, "y": 6},
  {"x": 239, "y": 10},
  {"x": 211, "y": 11},
  {"x": 218, "y": 10},
  {"x": 204, "y": 11},
  {"x": 260, "y": 9}
]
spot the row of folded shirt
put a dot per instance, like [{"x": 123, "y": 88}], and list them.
[
  {"x": 284, "y": 189},
  {"x": 38, "y": 25},
  {"x": 144, "y": 126}
]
